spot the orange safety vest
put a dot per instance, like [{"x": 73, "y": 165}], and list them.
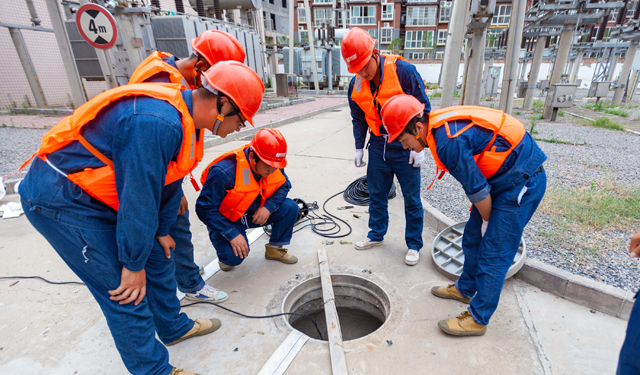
[
  {"x": 154, "y": 64},
  {"x": 237, "y": 201},
  {"x": 500, "y": 123},
  {"x": 100, "y": 182},
  {"x": 389, "y": 87}
]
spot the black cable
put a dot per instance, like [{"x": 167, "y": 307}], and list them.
[
  {"x": 258, "y": 316},
  {"x": 41, "y": 278},
  {"x": 358, "y": 192}
]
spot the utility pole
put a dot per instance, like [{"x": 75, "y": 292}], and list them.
[
  {"x": 311, "y": 33},
  {"x": 27, "y": 65},
  {"x": 453, "y": 50},
  {"x": 538, "y": 52},
  {"x": 75, "y": 83},
  {"x": 624, "y": 74},
  {"x": 514, "y": 41},
  {"x": 564, "y": 46},
  {"x": 292, "y": 4}
]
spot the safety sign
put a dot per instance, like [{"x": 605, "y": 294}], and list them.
[{"x": 97, "y": 26}]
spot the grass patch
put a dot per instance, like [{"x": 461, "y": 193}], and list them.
[
  {"x": 517, "y": 113},
  {"x": 561, "y": 113},
  {"x": 608, "y": 108},
  {"x": 436, "y": 95},
  {"x": 617, "y": 112},
  {"x": 597, "y": 206},
  {"x": 538, "y": 104},
  {"x": 605, "y": 123}
]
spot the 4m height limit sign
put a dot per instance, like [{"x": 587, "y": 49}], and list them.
[{"x": 97, "y": 26}]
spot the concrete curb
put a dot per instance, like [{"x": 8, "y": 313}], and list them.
[
  {"x": 211, "y": 142},
  {"x": 578, "y": 289}
]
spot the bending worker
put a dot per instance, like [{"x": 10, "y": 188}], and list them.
[
  {"x": 500, "y": 169},
  {"x": 210, "y": 47},
  {"x": 94, "y": 192},
  {"x": 379, "y": 77},
  {"x": 247, "y": 188}
]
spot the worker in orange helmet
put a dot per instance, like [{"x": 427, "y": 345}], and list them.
[
  {"x": 210, "y": 47},
  {"x": 94, "y": 192},
  {"x": 247, "y": 188},
  {"x": 499, "y": 166},
  {"x": 378, "y": 78}
]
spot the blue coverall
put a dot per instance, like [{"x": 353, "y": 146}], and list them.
[
  {"x": 389, "y": 159},
  {"x": 141, "y": 135},
  {"x": 516, "y": 190},
  {"x": 221, "y": 178},
  {"x": 178, "y": 226},
  {"x": 629, "y": 361}
]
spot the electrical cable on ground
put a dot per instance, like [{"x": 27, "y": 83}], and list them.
[
  {"x": 185, "y": 305},
  {"x": 358, "y": 192}
]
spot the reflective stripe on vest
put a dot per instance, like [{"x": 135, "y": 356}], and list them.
[
  {"x": 154, "y": 64},
  {"x": 498, "y": 122},
  {"x": 100, "y": 182},
  {"x": 246, "y": 189},
  {"x": 389, "y": 87}
]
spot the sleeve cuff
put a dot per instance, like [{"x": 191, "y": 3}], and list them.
[
  {"x": 134, "y": 267},
  {"x": 230, "y": 234},
  {"x": 270, "y": 206},
  {"x": 479, "y": 196},
  {"x": 162, "y": 231}
]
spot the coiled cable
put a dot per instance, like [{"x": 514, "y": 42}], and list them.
[{"x": 358, "y": 192}]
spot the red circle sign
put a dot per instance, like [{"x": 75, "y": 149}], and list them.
[{"x": 97, "y": 26}]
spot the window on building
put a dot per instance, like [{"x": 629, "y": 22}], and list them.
[
  {"x": 270, "y": 1},
  {"x": 303, "y": 36},
  {"x": 302, "y": 15},
  {"x": 493, "y": 35},
  {"x": 631, "y": 8},
  {"x": 387, "y": 11},
  {"x": 445, "y": 11},
  {"x": 607, "y": 34},
  {"x": 414, "y": 40},
  {"x": 439, "y": 55},
  {"x": 415, "y": 55},
  {"x": 372, "y": 32},
  {"x": 363, "y": 15},
  {"x": 323, "y": 1},
  {"x": 386, "y": 35},
  {"x": 421, "y": 16},
  {"x": 321, "y": 15},
  {"x": 442, "y": 37},
  {"x": 273, "y": 22},
  {"x": 284, "y": 3},
  {"x": 502, "y": 15},
  {"x": 422, "y": 1}
]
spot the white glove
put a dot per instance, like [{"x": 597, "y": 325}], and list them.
[
  {"x": 483, "y": 229},
  {"x": 416, "y": 158},
  {"x": 358, "y": 158}
]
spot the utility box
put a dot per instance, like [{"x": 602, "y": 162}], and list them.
[
  {"x": 562, "y": 95},
  {"x": 282, "y": 85},
  {"x": 599, "y": 89},
  {"x": 544, "y": 85},
  {"x": 491, "y": 86}
]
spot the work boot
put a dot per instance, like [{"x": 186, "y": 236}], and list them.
[
  {"x": 464, "y": 325},
  {"x": 274, "y": 252},
  {"x": 200, "y": 327},
  {"x": 179, "y": 371},
  {"x": 450, "y": 292},
  {"x": 224, "y": 267},
  {"x": 366, "y": 244},
  {"x": 412, "y": 257}
]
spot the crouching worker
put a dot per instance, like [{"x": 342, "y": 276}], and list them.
[
  {"x": 500, "y": 169},
  {"x": 247, "y": 188},
  {"x": 94, "y": 192}
]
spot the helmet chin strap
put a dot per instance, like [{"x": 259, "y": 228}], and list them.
[
  {"x": 420, "y": 140},
  {"x": 221, "y": 117}
]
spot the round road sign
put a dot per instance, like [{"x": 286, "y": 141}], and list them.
[{"x": 97, "y": 26}]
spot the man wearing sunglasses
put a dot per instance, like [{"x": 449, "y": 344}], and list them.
[
  {"x": 247, "y": 188},
  {"x": 378, "y": 78},
  {"x": 210, "y": 47}
]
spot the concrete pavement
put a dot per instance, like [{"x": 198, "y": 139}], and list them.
[{"x": 58, "y": 329}]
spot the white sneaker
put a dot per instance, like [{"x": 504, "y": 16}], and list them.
[
  {"x": 366, "y": 244},
  {"x": 412, "y": 257},
  {"x": 209, "y": 294}
]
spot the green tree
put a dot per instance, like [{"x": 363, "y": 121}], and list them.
[
  {"x": 429, "y": 44},
  {"x": 396, "y": 45}
]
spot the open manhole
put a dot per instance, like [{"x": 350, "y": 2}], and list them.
[{"x": 362, "y": 306}]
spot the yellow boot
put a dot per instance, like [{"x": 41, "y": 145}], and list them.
[
  {"x": 449, "y": 292},
  {"x": 179, "y": 371},
  {"x": 274, "y": 252},
  {"x": 200, "y": 327},
  {"x": 464, "y": 325}
]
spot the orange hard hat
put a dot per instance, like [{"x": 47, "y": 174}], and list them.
[
  {"x": 357, "y": 49},
  {"x": 216, "y": 46},
  {"x": 239, "y": 83},
  {"x": 398, "y": 111},
  {"x": 270, "y": 146}
]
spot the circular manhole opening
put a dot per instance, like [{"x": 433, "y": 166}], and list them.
[{"x": 362, "y": 307}]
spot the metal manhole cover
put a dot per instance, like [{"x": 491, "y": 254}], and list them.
[{"x": 448, "y": 257}]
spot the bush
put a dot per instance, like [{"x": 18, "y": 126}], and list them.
[{"x": 605, "y": 123}]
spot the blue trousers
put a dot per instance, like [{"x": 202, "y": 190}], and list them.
[
  {"x": 282, "y": 222},
  {"x": 385, "y": 161},
  {"x": 629, "y": 362},
  {"x": 187, "y": 271},
  {"x": 487, "y": 259},
  {"x": 92, "y": 253}
]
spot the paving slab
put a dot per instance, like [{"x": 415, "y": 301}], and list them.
[{"x": 56, "y": 329}]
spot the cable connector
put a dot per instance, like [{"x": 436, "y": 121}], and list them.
[{"x": 344, "y": 207}]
